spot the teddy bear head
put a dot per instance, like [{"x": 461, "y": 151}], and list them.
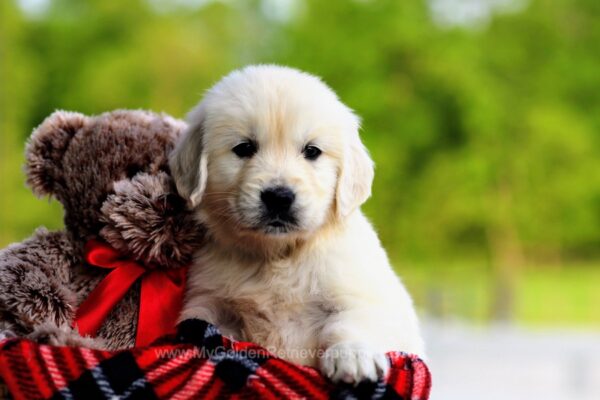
[{"x": 111, "y": 174}]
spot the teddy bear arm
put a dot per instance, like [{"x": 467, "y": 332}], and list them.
[{"x": 34, "y": 277}]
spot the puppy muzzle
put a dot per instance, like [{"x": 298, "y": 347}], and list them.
[{"x": 278, "y": 207}]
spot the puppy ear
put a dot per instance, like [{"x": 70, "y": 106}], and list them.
[
  {"x": 46, "y": 148},
  {"x": 188, "y": 162},
  {"x": 356, "y": 177}
]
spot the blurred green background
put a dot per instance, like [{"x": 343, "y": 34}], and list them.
[{"x": 483, "y": 117}]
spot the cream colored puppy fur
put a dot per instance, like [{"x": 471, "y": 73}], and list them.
[{"x": 319, "y": 292}]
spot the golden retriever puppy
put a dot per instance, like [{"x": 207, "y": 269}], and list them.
[{"x": 274, "y": 167}]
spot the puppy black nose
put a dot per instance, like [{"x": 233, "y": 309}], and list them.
[{"x": 278, "y": 199}]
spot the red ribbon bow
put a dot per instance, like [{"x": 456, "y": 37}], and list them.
[{"x": 160, "y": 299}]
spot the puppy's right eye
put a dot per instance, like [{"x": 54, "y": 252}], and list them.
[{"x": 245, "y": 149}]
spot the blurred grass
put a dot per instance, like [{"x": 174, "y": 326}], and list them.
[
  {"x": 556, "y": 297},
  {"x": 567, "y": 296}
]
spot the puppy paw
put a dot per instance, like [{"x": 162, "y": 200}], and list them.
[{"x": 353, "y": 362}]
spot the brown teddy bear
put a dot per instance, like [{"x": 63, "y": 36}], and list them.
[{"x": 110, "y": 172}]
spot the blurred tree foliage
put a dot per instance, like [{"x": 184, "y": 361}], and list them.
[{"x": 485, "y": 132}]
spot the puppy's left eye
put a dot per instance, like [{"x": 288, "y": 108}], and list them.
[{"x": 311, "y": 152}]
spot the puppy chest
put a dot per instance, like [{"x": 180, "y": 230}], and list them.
[
  {"x": 290, "y": 329},
  {"x": 280, "y": 307}
]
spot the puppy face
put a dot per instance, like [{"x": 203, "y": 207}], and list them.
[{"x": 272, "y": 152}]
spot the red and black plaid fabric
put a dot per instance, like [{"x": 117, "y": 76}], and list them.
[{"x": 197, "y": 363}]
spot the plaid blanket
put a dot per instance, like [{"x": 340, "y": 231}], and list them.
[{"x": 198, "y": 362}]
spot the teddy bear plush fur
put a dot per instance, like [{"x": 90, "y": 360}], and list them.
[{"x": 110, "y": 172}]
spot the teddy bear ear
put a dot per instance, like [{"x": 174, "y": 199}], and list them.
[{"x": 46, "y": 148}]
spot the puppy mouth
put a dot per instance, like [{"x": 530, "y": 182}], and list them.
[
  {"x": 266, "y": 222},
  {"x": 278, "y": 225}
]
